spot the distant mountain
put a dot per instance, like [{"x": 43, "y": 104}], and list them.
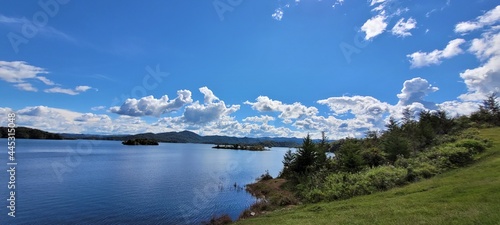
[
  {"x": 170, "y": 137},
  {"x": 190, "y": 137},
  {"x": 29, "y": 133},
  {"x": 94, "y": 136}
]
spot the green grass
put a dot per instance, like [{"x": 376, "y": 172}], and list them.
[{"x": 469, "y": 195}]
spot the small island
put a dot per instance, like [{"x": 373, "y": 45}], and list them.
[
  {"x": 242, "y": 147},
  {"x": 140, "y": 141}
]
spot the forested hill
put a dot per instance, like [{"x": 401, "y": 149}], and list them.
[
  {"x": 191, "y": 137},
  {"x": 29, "y": 133},
  {"x": 170, "y": 137}
]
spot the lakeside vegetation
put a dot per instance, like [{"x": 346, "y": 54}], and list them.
[
  {"x": 468, "y": 195},
  {"x": 384, "y": 177}
]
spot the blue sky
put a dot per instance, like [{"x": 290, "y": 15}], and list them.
[{"x": 243, "y": 68}]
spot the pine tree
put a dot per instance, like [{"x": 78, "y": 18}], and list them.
[{"x": 306, "y": 156}]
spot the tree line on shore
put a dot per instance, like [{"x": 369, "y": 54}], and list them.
[{"x": 29, "y": 133}]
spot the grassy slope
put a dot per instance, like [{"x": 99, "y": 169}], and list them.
[{"x": 469, "y": 195}]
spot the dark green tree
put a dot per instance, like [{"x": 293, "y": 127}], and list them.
[
  {"x": 288, "y": 164},
  {"x": 489, "y": 112},
  {"x": 373, "y": 156},
  {"x": 349, "y": 156},
  {"x": 491, "y": 105},
  {"x": 305, "y": 160},
  {"x": 392, "y": 125},
  {"x": 306, "y": 156}
]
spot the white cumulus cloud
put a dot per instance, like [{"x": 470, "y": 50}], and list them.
[
  {"x": 458, "y": 108},
  {"x": 357, "y": 105},
  {"x": 150, "y": 106},
  {"x": 414, "y": 91},
  {"x": 288, "y": 111},
  {"x": 484, "y": 79},
  {"x": 374, "y": 26},
  {"x": 421, "y": 59},
  {"x": 212, "y": 110},
  {"x": 259, "y": 119}
]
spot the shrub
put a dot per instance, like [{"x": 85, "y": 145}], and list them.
[
  {"x": 418, "y": 167},
  {"x": 424, "y": 170},
  {"x": 448, "y": 156},
  {"x": 403, "y": 162},
  {"x": 471, "y": 133},
  {"x": 345, "y": 185},
  {"x": 340, "y": 186},
  {"x": 472, "y": 145},
  {"x": 443, "y": 139},
  {"x": 315, "y": 195},
  {"x": 385, "y": 177}
]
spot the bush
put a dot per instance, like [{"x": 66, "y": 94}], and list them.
[
  {"x": 443, "y": 139},
  {"x": 386, "y": 177},
  {"x": 340, "y": 186},
  {"x": 345, "y": 185},
  {"x": 474, "y": 146},
  {"x": 417, "y": 167},
  {"x": 447, "y": 157},
  {"x": 471, "y": 133},
  {"x": 315, "y": 195},
  {"x": 403, "y": 162},
  {"x": 425, "y": 170}
]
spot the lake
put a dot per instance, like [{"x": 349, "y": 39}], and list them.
[{"x": 105, "y": 182}]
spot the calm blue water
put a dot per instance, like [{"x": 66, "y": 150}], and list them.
[{"x": 105, "y": 182}]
